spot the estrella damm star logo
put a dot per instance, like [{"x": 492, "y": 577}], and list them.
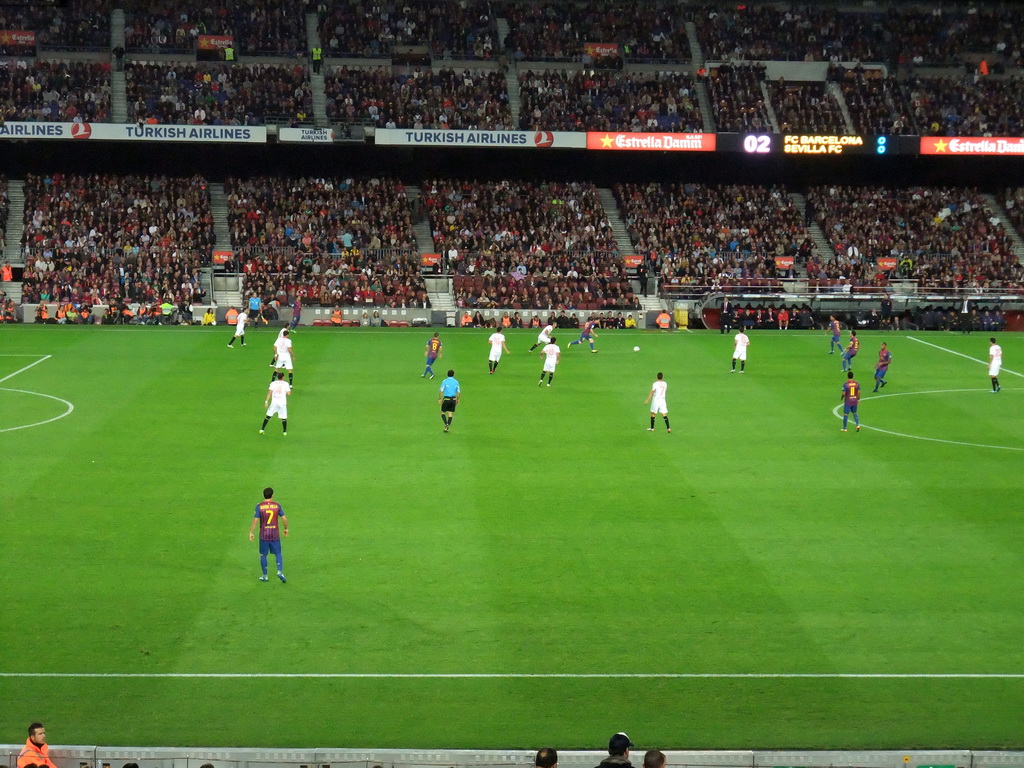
[
  {"x": 940, "y": 145},
  {"x": 606, "y": 142}
]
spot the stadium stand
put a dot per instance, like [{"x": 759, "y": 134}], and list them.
[
  {"x": 590, "y": 100},
  {"x": 806, "y": 108},
  {"x": 257, "y": 27},
  {"x": 737, "y": 102},
  {"x": 452, "y": 30},
  {"x": 978, "y": 106},
  {"x": 939, "y": 236},
  {"x": 644, "y": 31},
  {"x": 219, "y": 94},
  {"x": 55, "y": 91},
  {"x": 444, "y": 98},
  {"x": 714, "y": 236}
]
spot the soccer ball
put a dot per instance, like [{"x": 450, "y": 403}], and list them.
[{"x": 636, "y": 349}]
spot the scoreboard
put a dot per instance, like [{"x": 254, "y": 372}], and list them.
[{"x": 829, "y": 145}]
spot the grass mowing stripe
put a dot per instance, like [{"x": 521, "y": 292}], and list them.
[
  {"x": 527, "y": 675},
  {"x": 960, "y": 354}
]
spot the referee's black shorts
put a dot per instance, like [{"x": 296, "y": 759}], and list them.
[{"x": 448, "y": 404}]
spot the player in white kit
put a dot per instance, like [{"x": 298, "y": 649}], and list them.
[
  {"x": 283, "y": 355},
  {"x": 551, "y": 354},
  {"x": 276, "y": 402},
  {"x": 740, "y": 353},
  {"x": 239, "y": 329},
  {"x": 659, "y": 402},
  {"x": 497, "y": 342},
  {"x": 995, "y": 362},
  {"x": 545, "y": 336}
]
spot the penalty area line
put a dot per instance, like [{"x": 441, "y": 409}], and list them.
[
  {"x": 961, "y": 354},
  {"x": 22, "y": 370},
  {"x": 543, "y": 675}
]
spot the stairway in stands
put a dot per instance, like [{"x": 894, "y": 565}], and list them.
[
  {"x": 118, "y": 85},
  {"x": 697, "y": 57},
  {"x": 316, "y": 81},
  {"x": 614, "y": 216},
  {"x": 996, "y": 207},
  {"x": 224, "y": 295},
  {"x": 438, "y": 288},
  {"x": 15, "y": 229},
  {"x": 821, "y": 244}
]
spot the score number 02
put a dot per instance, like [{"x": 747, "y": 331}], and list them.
[{"x": 757, "y": 145}]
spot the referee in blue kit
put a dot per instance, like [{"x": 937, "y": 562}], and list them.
[{"x": 448, "y": 398}]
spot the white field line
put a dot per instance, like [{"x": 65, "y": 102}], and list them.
[
  {"x": 872, "y": 398},
  {"x": 960, "y": 354},
  {"x": 505, "y": 675},
  {"x": 22, "y": 370}
]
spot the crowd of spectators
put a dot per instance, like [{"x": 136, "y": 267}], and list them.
[
  {"x": 643, "y": 31},
  {"x": 517, "y": 217},
  {"x": 257, "y": 27},
  {"x": 322, "y": 215},
  {"x": 806, "y": 108},
  {"x": 976, "y": 106},
  {"x": 737, "y": 100},
  {"x": 707, "y": 235},
  {"x": 218, "y": 94},
  {"x": 54, "y": 91},
  {"x": 84, "y": 277},
  {"x": 338, "y": 279},
  {"x": 580, "y": 280},
  {"x": 596, "y": 100},
  {"x": 66, "y": 26},
  {"x": 444, "y": 98},
  {"x": 757, "y": 31},
  {"x": 938, "y": 236},
  {"x": 941, "y": 36},
  {"x": 73, "y": 213},
  {"x": 877, "y": 104},
  {"x": 466, "y": 29}
]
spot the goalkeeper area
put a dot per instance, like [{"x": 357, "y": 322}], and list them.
[{"x": 548, "y": 572}]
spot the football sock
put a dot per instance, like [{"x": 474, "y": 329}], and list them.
[
  {"x": 290, "y": 378},
  {"x": 743, "y": 365},
  {"x": 263, "y": 564},
  {"x": 284, "y": 425},
  {"x": 265, "y": 422},
  {"x": 444, "y": 419},
  {"x": 995, "y": 383},
  {"x": 652, "y": 422},
  {"x": 591, "y": 345},
  {"x": 667, "y": 425},
  {"x": 856, "y": 419},
  {"x": 232, "y": 342},
  {"x": 734, "y": 365},
  {"x": 845, "y": 420},
  {"x": 550, "y": 377}
]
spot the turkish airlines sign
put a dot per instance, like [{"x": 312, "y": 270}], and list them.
[
  {"x": 443, "y": 137},
  {"x": 945, "y": 145},
  {"x": 652, "y": 142},
  {"x": 232, "y": 134}
]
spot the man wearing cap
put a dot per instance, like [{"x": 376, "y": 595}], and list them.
[
  {"x": 36, "y": 751},
  {"x": 618, "y": 752}
]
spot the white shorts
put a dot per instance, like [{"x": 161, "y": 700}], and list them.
[
  {"x": 993, "y": 369},
  {"x": 239, "y": 332},
  {"x": 283, "y": 362},
  {"x": 543, "y": 339},
  {"x": 494, "y": 356},
  {"x": 659, "y": 405},
  {"x": 737, "y": 355},
  {"x": 549, "y": 367},
  {"x": 280, "y": 410}
]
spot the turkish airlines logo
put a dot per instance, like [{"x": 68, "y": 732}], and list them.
[
  {"x": 544, "y": 139},
  {"x": 81, "y": 131}
]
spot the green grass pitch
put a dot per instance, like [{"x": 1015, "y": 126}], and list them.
[{"x": 767, "y": 580}]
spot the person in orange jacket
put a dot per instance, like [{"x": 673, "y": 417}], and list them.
[{"x": 36, "y": 751}]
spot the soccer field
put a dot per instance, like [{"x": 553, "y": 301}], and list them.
[{"x": 548, "y": 572}]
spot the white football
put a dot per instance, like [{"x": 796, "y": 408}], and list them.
[{"x": 636, "y": 349}]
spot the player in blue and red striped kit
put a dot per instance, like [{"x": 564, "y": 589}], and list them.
[
  {"x": 587, "y": 335},
  {"x": 851, "y": 399},
  {"x": 882, "y": 367},
  {"x": 268, "y": 516}
]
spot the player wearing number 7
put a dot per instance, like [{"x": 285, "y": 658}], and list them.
[{"x": 269, "y": 515}]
